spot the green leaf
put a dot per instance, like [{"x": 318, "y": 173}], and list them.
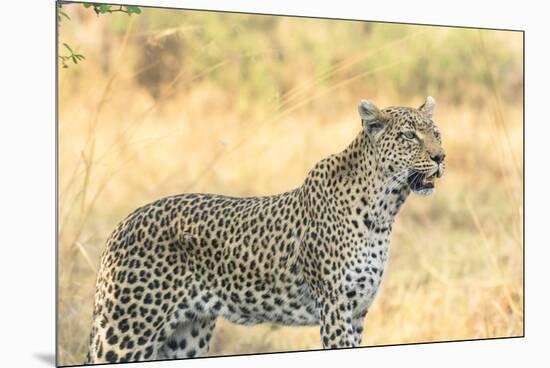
[
  {"x": 133, "y": 9},
  {"x": 68, "y": 47},
  {"x": 74, "y": 59},
  {"x": 87, "y": 5},
  {"x": 104, "y": 8}
]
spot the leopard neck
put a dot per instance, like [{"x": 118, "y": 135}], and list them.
[{"x": 368, "y": 188}]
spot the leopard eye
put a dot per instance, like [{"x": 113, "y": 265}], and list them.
[{"x": 409, "y": 135}]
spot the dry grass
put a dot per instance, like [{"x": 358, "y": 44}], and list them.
[{"x": 455, "y": 269}]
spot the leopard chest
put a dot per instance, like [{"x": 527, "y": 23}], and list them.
[{"x": 367, "y": 265}]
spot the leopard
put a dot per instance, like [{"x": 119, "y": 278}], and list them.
[{"x": 312, "y": 256}]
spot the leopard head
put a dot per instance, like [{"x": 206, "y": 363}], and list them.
[{"x": 407, "y": 143}]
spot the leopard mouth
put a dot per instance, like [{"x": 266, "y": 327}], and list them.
[{"x": 421, "y": 183}]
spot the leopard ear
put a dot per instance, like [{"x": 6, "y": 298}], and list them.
[
  {"x": 372, "y": 120},
  {"x": 428, "y": 107}
]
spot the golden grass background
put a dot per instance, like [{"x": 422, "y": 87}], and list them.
[{"x": 177, "y": 101}]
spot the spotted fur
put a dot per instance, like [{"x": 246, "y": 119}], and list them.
[{"x": 314, "y": 255}]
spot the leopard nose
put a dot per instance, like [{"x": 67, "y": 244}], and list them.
[{"x": 439, "y": 157}]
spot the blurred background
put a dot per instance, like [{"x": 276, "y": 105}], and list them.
[{"x": 171, "y": 101}]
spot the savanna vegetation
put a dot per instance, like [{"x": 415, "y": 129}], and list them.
[{"x": 170, "y": 101}]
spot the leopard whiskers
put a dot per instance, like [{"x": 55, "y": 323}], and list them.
[{"x": 396, "y": 180}]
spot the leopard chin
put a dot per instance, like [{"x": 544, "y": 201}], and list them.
[{"x": 424, "y": 192}]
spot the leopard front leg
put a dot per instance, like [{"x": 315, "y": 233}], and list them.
[
  {"x": 337, "y": 330},
  {"x": 358, "y": 323}
]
